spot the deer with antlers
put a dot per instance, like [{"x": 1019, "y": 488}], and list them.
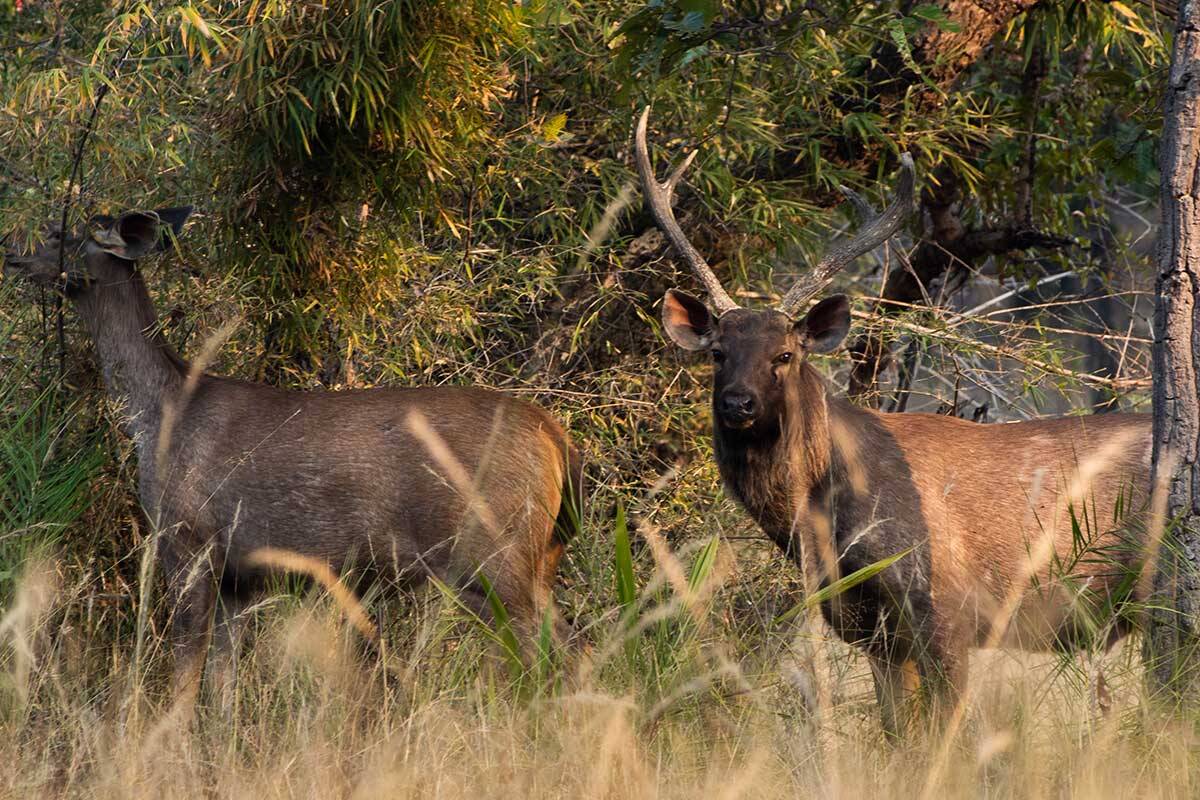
[{"x": 1020, "y": 535}]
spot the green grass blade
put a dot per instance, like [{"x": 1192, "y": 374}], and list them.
[
  {"x": 826, "y": 593},
  {"x": 702, "y": 567},
  {"x": 626, "y": 585}
]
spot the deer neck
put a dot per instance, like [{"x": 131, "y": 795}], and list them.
[
  {"x": 141, "y": 371},
  {"x": 791, "y": 477}
]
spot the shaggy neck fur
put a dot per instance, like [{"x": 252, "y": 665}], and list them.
[
  {"x": 140, "y": 369},
  {"x": 786, "y": 472}
]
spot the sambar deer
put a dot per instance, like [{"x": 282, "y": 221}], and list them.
[
  {"x": 399, "y": 483},
  {"x": 1017, "y": 534}
]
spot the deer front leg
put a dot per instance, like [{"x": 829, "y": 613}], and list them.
[
  {"x": 943, "y": 672},
  {"x": 896, "y": 684},
  {"x": 191, "y": 590}
]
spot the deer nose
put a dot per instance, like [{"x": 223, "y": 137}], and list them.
[{"x": 738, "y": 406}]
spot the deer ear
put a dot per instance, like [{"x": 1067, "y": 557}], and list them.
[
  {"x": 173, "y": 218},
  {"x": 824, "y": 327},
  {"x": 687, "y": 320},
  {"x": 136, "y": 234}
]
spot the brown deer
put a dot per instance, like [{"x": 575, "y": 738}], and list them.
[
  {"x": 1012, "y": 534},
  {"x": 393, "y": 483}
]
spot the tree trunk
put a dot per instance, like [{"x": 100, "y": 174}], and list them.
[{"x": 1173, "y": 623}]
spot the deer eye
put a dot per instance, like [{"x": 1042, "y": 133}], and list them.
[
  {"x": 718, "y": 356},
  {"x": 783, "y": 358}
]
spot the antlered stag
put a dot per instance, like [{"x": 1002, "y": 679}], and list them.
[
  {"x": 403, "y": 483},
  {"x": 1016, "y": 534}
]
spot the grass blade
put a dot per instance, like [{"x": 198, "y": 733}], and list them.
[{"x": 827, "y": 593}]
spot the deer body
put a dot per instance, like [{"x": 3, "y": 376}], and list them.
[
  {"x": 1010, "y": 525},
  {"x": 341, "y": 477},
  {"x": 393, "y": 483},
  {"x": 1023, "y": 534},
  {"x": 985, "y": 513}
]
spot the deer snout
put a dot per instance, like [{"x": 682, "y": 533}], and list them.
[
  {"x": 28, "y": 267},
  {"x": 737, "y": 408}
]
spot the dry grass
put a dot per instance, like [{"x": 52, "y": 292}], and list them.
[{"x": 726, "y": 711}]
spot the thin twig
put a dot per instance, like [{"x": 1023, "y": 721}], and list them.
[
  {"x": 76, "y": 163},
  {"x": 999, "y": 351}
]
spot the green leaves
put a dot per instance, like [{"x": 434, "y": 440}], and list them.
[
  {"x": 663, "y": 37},
  {"x": 928, "y": 12},
  {"x": 553, "y": 127},
  {"x": 46, "y": 467},
  {"x": 841, "y": 585}
]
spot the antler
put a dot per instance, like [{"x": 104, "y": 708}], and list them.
[
  {"x": 877, "y": 230},
  {"x": 660, "y": 196},
  {"x": 866, "y": 211}
]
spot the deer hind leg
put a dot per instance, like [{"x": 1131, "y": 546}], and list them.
[
  {"x": 229, "y": 630},
  {"x": 525, "y": 598},
  {"x": 543, "y": 593},
  {"x": 943, "y": 674}
]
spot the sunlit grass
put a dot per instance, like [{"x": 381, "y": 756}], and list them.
[{"x": 678, "y": 694}]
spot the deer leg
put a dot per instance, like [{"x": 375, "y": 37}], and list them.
[
  {"x": 896, "y": 683},
  {"x": 229, "y": 629},
  {"x": 524, "y": 603},
  {"x": 543, "y": 599},
  {"x": 1103, "y": 695},
  {"x": 943, "y": 679},
  {"x": 191, "y": 590}
]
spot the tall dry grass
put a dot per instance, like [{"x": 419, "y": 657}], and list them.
[{"x": 671, "y": 701}]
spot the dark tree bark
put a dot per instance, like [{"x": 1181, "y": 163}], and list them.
[{"x": 1173, "y": 622}]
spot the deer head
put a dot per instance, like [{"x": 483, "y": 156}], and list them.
[
  {"x": 107, "y": 252},
  {"x": 755, "y": 351}
]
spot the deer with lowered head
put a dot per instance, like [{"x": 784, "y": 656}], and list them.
[
  {"x": 401, "y": 484},
  {"x": 1019, "y": 535}
]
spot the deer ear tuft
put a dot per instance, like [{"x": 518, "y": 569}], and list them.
[
  {"x": 826, "y": 325},
  {"x": 687, "y": 320}
]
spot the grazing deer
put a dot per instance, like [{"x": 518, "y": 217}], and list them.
[
  {"x": 399, "y": 483},
  {"x": 1012, "y": 534}
]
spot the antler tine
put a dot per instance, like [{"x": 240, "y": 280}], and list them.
[
  {"x": 878, "y": 228},
  {"x": 866, "y": 211},
  {"x": 660, "y": 197},
  {"x": 862, "y": 206}
]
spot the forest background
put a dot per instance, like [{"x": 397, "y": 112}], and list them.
[{"x": 419, "y": 193}]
